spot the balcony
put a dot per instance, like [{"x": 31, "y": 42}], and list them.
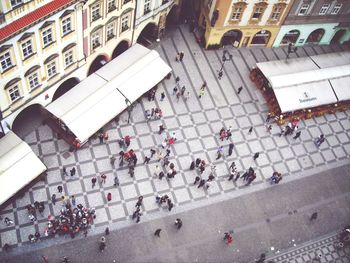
[{"x": 124, "y": 28}]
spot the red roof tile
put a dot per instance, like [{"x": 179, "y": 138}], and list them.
[{"x": 31, "y": 18}]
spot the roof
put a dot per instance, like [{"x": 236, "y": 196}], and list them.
[
  {"x": 18, "y": 165},
  {"x": 100, "y": 97},
  {"x": 29, "y": 19}
]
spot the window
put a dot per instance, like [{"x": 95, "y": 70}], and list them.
[
  {"x": 324, "y": 9},
  {"x": 33, "y": 81},
  {"x": 5, "y": 60},
  {"x": 47, "y": 37},
  {"x": 303, "y": 9},
  {"x": 276, "y": 13},
  {"x": 51, "y": 69},
  {"x": 336, "y": 9},
  {"x": 66, "y": 26},
  {"x": 14, "y": 93},
  {"x": 237, "y": 13},
  {"x": 111, "y": 5},
  {"x": 68, "y": 58},
  {"x": 15, "y": 2},
  {"x": 126, "y": 1},
  {"x": 257, "y": 13},
  {"x": 95, "y": 12},
  {"x": 27, "y": 48},
  {"x": 110, "y": 31},
  {"x": 125, "y": 23},
  {"x": 165, "y": 2},
  {"x": 96, "y": 40},
  {"x": 147, "y": 7}
]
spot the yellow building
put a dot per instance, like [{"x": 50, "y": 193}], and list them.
[{"x": 241, "y": 23}]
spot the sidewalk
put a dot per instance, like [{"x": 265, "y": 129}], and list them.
[{"x": 259, "y": 220}]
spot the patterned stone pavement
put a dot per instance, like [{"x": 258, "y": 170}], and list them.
[
  {"x": 196, "y": 124},
  {"x": 321, "y": 251}
]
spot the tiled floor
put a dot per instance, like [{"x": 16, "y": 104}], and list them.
[
  {"x": 196, "y": 124},
  {"x": 321, "y": 251}
]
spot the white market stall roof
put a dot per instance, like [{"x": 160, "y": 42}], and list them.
[
  {"x": 95, "y": 101},
  {"x": 332, "y": 59},
  {"x": 305, "y": 96},
  {"x": 310, "y": 81},
  {"x": 18, "y": 165}
]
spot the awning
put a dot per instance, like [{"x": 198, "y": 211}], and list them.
[
  {"x": 18, "y": 166},
  {"x": 309, "y": 76},
  {"x": 95, "y": 101},
  {"x": 305, "y": 96},
  {"x": 332, "y": 59},
  {"x": 281, "y": 67},
  {"x": 341, "y": 87},
  {"x": 308, "y": 82}
]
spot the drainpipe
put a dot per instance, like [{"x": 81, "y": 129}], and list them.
[{"x": 133, "y": 28}]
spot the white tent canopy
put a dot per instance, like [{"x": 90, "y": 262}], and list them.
[
  {"x": 305, "y": 96},
  {"x": 308, "y": 82},
  {"x": 18, "y": 166},
  {"x": 103, "y": 95}
]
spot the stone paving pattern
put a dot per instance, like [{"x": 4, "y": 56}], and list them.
[
  {"x": 196, "y": 124},
  {"x": 321, "y": 251}
]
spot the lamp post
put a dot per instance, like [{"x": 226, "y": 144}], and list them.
[
  {"x": 291, "y": 49},
  {"x": 128, "y": 104},
  {"x": 225, "y": 58}
]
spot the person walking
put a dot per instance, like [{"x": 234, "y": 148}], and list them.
[
  {"x": 93, "y": 181},
  {"x": 320, "y": 140},
  {"x": 268, "y": 117},
  {"x": 187, "y": 96},
  {"x": 100, "y": 137},
  {"x": 230, "y": 148},
  {"x": 103, "y": 178},
  {"x": 139, "y": 201},
  {"x": 60, "y": 188},
  {"x": 64, "y": 170},
  {"x": 157, "y": 232},
  {"x": 239, "y": 89},
  {"x": 219, "y": 152},
  {"x": 220, "y": 74},
  {"x": 198, "y": 161},
  {"x": 313, "y": 216},
  {"x": 73, "y": 200},
  {"x": 107, "y": 231},
  {"x": 147, "y": 159},
  {"x": 175, "y": 90},
  {"x": 193, "y": 165},
  {"x": 162, "y": 96},
  {"x": 197, "y": 179},
  {"x": 283, "y": 130},
  {"x": 109, "y": 197},
  {"x": 297, "y": 135},
  {"x": 183, "y": 89},
  {"x": 102, "y": 244},
  {"x": 153, "y": 152},
  {"x": 178, "y": 95},
  {"x": 112, "y": 160},
  {"x": 256, "y": 156},
  {"x": 201, "y": 183},
  {"x": 178, "y": 223},
  {"x": 250, "y": 130},
  {"x": 161, "y": 129},
  {"x": 201, "y": 93},
  {"x": 181, "y": 56},
  {"x": 116, "y": 180},
  {"x": 127, "y": 140},
  {"x": 53, "y": 199},
  {"x": 72, "y": 171},
  {"x": 269, "y": 128}
]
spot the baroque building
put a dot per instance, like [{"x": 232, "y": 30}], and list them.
[
  {"x": 241, "y": 23},
  {"x": 49, "y": 46},
  {"x": 319, "y": 22}
]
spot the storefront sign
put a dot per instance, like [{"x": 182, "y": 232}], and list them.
[{"x": 307, "y": 98}]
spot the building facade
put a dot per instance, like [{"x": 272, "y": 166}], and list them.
[
  {"x": 241, "y": 23},
  {"x": 319, "y": 22},
  {"x": 152, "y": 17},
  {"x": 38, "y": 50}
]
